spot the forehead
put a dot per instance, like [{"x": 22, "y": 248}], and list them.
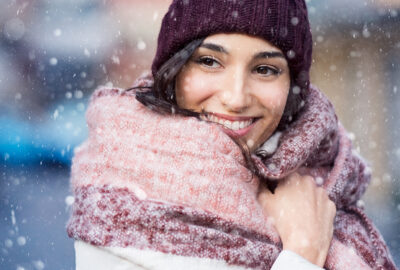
[{"x": 241, "y": 42}]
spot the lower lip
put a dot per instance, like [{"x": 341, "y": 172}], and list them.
[{"x": 240, "y": 132}]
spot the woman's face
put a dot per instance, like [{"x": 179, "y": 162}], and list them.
[{"x": 239, "y": 82}]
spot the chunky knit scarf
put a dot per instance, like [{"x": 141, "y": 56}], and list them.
[{"x": 180, "y": 186}]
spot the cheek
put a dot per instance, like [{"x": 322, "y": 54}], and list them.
[
  {"x": 274, "y": 101},
  {"x": 192, "y": 89}
]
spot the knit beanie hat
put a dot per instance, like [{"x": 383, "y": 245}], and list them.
[{"x": 283, "y": 23}]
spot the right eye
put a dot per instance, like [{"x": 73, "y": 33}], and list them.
[{"x": 208, "y": 62}]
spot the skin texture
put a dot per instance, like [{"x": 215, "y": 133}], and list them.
[
  {"x": 236, "y": 75},
  {"x": 303, "y": 216},
  {"x": 237, "y": 83}
]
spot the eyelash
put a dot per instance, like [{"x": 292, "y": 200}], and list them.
[
  {"x": 275, "y": 71},
  {"x": 202, "y": 60}
]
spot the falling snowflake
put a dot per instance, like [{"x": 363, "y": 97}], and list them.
[
  {"x": 8, "y": 243},
  {"x": 53, "y": 61},
  {"x": 86, "y": 52},
  {"x": 55, "y": 114},
  {"x": 57, "y": 32},
  {"x": 141, "y": 45},
  {"x": 39, "y": 265},
  {"x": 294, "y": 21},
  {"x": 21, "y": 240},
  {"x": 78, "y": 94},
  {"x": 69, "y": 200}
]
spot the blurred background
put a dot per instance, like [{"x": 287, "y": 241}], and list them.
[{"x": 53, "y": 54}]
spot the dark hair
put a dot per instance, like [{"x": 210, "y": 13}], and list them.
[{"x": 161, "y": 97}]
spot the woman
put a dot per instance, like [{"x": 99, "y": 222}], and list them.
[{"x": 155, "y": 189}]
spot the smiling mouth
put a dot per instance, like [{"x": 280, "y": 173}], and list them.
[{"x": 229, "y": 122}]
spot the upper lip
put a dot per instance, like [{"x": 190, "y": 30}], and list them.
[{"x": 230, "y": 117}]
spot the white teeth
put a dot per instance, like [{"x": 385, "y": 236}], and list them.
[
  {"x": 233, "y": 125},
  {"x": 228, "y": 124}
]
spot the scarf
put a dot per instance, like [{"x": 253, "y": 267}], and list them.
[{"x": 180, "y": 186}]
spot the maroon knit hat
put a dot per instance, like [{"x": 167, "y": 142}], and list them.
[{"x": 284, "y": 23}]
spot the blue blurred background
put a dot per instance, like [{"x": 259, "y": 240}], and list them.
[{"x": 53, "y": 54}]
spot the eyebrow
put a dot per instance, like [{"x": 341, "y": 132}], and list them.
[
  {"x": 260, "y": 55},
  {"x": 214, "y": 47},
  {"x": 272, "y": 54}
]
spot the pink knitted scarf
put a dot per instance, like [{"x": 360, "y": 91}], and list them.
[{"x": 179, "y": 185}]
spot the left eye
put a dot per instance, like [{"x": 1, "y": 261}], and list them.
[{"x": 267, "y": 70}]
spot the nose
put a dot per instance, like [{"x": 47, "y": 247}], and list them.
[{"x": 235, "y": 96}]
